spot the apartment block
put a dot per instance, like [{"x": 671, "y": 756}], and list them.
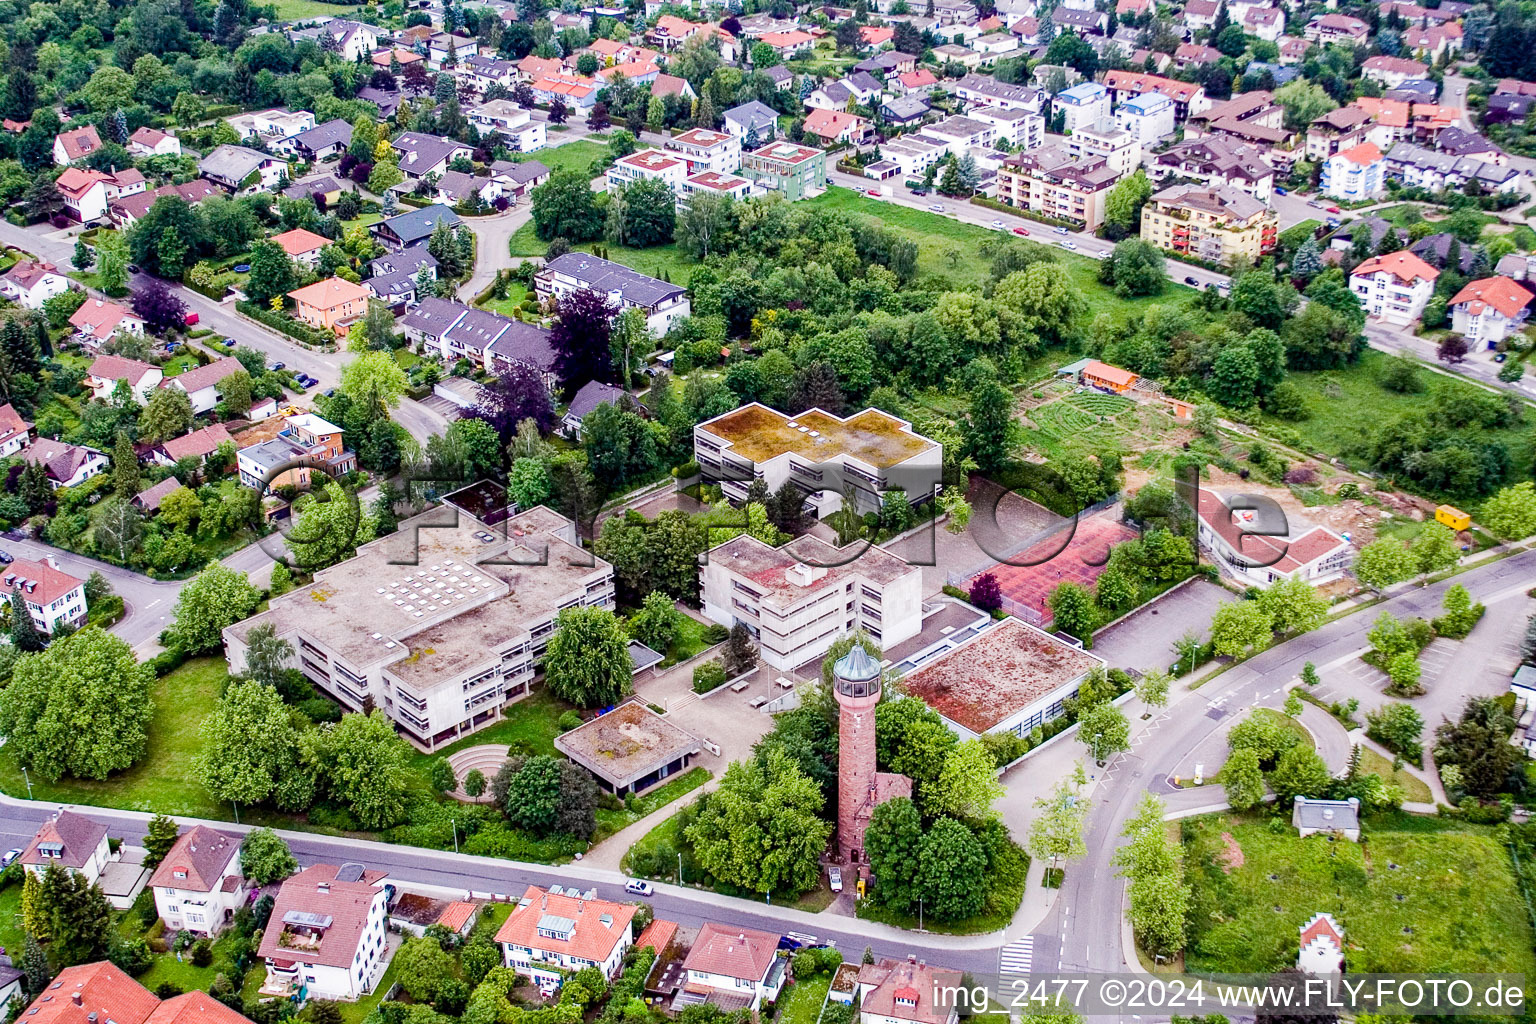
[
  {"x": 628, "y": 289},
  {"x": 707, "y": 150},
  {"x": 649, "y": 165},
  {"x": 798, "y": 172},
  {"x": 1219, "y": 225},
  {"x": 1083, "y": 104},
  {"x": 442, "y": 623},
  {"x": 871, "y": 451},
  {"x": 1394, "y": 288},
  {"x": 1118, "y": 148},
  {"x": 1053, "y": 183}
]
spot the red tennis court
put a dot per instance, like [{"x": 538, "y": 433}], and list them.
[{"x": 1069, "y": 556}]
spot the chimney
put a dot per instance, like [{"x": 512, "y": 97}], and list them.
[
  {"x": 323, "y": 887},
  {"x": 76, "y": 998},
  {"x": 911, "y": 958}
]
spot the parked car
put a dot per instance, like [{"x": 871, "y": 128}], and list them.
[
  {"x": 936, "y": 207},
  {"x": 229, "y": 342},
  {"x": 10, "y": 856},
  {"x": 635, "y": 887},
  {"x": 919, "y": 191},
  {"x": 1333, "y": 209},
  {"x": 190, "y": 319},
  {"x": 6, "y": 558},
  {"x": 835, "y": 879},
  {"x": 999, "y": 225},
  {"x": 1021, "y": 231},
  {"x": 329, "y": 392},
  {"x": 133, "y": 268},
  {"x": 1191, "y": 281},
  {"x": 872, "y": 192},
  {"x": 1067, "y": 243},
  {"x": 1499, "y": 357},
  {"x": 789, "y": 944},
  {"x": 1280, "y": 191}
]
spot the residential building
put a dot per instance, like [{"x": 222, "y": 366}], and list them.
[
  {"x": 1188, "y": 98},
  {"x": 441, "y": 645},
  {"x": 148, "y": 500},
  {"x": 1015, "y": 127},
  {"x": 1328, "y": 29},
  {"x": 904, "y": 991},
  {"x": 707, "y": 150},
  {"x": 1217, "y": 161},
  {"x": 201, "y": 383},
  {"x": 717, "y": 184},
  {"x": 1488, "y": 311},
  {"x": 1200, "y": 14},
  {"x": 75, "y": 145},
  {"x": 575, "y": 91},
  {"x": 482, "y": 72},
  {"x": 106, "y": 371},
  {"x": 986, "y": 91},
  {"x": 1254, "y": 541},
  {"x": 873, "y": 451},
  {"x": 147, "y": 142},
  {"x": 84, "y": 193},
  {"x": 1355, "y": 174},
  {"x": 1218, "y": 225},
  {"x": 648, "y": 165},
  {"x": 352, "y": 40},
  {"x": 1148, "y": 118},
  {"x": 302, "y": 245},
  {"x": 1344, "y": 128},
  {"x": 1394, "y": 288},
  {"x": 552, "y": 933},
  {"x": 333, "y": 304},
  {"x": 413, "y": 227},
  {"x": 31, "y": 284},
  {"x": 102, "y": 990},
  {"x": 272, "y": 126},
  {"x": 198, "y": 885},
  {"x": 732, "y": 964},
  {"x": 98, "y": 320},
  {"x": 1105, "y": 140},
  {"x": 456, "y": 331},
  {"x": 1083, "y": 23},
  {"x": 1422, "y": 168},
  {"x": 662, "y": 302},
  {"x": 65, "y": 464},
  {"x": 306, "y": 442},
  {"x": 752, "y": 118},
  {"x": 789, "y": 45},
  {"x": 1392, "y": 72},
  {"x": 915, "y": 83},
  {"x": 15, "y": 432},
  {"x": 199, "y": 444},
  {"x": 665, "y": 85},
  {"x": 1264, "y": 23},
  {"x": 1252, "y": 118},
  {"x": 799, "y": 598},
  {"x": 1051, "y": 182},
  {"x": 421, "y": 155},
  {"x": 631, "y": 748},
  {"x": 1459, "y": 143},
  {"x": 322, "y": 142},
  {"x": 1084, "y": 104},
  {"x": 835, "y": 126},
  {"x": 1195, "y": 54},
  {"x": 242, "y": 171},
  {"x": 797, "y": 172},
  {"x": 1433, "y": 42},
  {"x": 326, "y": 936},
  {"x": 512, "y": 123},
  {"x": 68, "y": 839},
  {"x": 446, "y": 49},
  {"x": 518, "y": 178}
]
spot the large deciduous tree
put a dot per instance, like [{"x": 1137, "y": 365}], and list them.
[
  {"x": 265, "y": 857},
  {"x": 588, "y": 658},
  {"x": 252, "y": 750},
  {"x": 581, "y": 339},
  {"x": 216, "y": 597},
  {"x": 565, "y": 207},
  {"x": 515, "y": 394},
  {"x": 362, "y": 766}
]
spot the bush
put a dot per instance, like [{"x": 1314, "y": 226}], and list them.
[
  {"x": 319, "y": 710},
  {"x": 569, "y": 720},
  {"x": 296, "y": 329},
  {"x": 714, "y": 633},
  {"x": 202, "y": 953},
  {"x": 708, "y": 676}
]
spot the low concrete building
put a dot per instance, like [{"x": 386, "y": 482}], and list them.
[
  {"x": 630, "y": 749},
  {"x": 1244, "y": 536},
  {"x": 1329, "y": 817}
]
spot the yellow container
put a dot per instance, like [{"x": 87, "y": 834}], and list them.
[{"x": 1453, "y": 517}]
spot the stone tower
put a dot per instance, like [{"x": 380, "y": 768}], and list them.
[{"x": 856, "y": 681}]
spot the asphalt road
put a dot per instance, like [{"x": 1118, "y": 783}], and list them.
[
  {"x": 1083, "y": 929},
  {"x": 148, "y": 602},
  {"x": 1477, "y": 366}
]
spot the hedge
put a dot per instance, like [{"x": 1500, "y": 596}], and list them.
[
  {"x": 993, "y": 204},
  {"x": 300, "y": 332}
]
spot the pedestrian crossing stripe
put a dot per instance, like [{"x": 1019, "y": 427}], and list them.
[{"x": 1017, "y": 957}]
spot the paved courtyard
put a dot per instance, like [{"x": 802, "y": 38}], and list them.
[{"x": 1144, "y": 639}]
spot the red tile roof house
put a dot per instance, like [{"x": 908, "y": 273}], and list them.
[
  {"x": 732, "y": 968},
  {"x": 148, "y": 500},
  {"x": 327, "y": 933},
  {"x": 67, "y": 464},
  {"x": 906, "y": 992},
  {"x": 51, "y": 595},
  {"x": 75, "y": 145},
  {"x": 84, "y": 193},
  {"x": 552, "y": 932},
  {"x": 201, "y": 383},
  {"x": 32, "y": 284},
  {"x": 98, "y": 320},
  {"x": 69, "y": 840},
  {"x": 106, "y": 371},
  {"x": 302, "y": 245},
  {"x": 15, "y": 432},
  {"x": 198, "y": 445},
  {"x": 1490, "y": 310},
  {"x": 1244, "y": 541},
  {"x": 198, "y": 886},
  {"x": 101, "y": 992},
  {"x": 149, "y": 142}
]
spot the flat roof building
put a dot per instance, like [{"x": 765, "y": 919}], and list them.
[
  {"x": 441, "y": 625},
  {"x": 629, "y": 749}
]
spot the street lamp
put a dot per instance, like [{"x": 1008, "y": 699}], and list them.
[
  {"x": 29, "y": 781},
  {"x": 455, "y": 823},
  {"x": 919, "y": 914},
  {"x": 679, "y": 867}
]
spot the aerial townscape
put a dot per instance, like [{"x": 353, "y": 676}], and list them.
[{"x": 525, "y": 512}]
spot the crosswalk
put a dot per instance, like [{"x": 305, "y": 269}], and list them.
[{"x": 1017, "y": 957}]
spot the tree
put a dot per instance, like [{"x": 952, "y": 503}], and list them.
[
  {"x": 1152, "y": 688},
  {"x": 421, "y": 967},
  {"x": 1072, "y": 611},
  {"x": 326, "y": 525},
  {"x": 1234, "y": 377},
  {"x": 1294, "y": 606},
  {"x": 761, "y": 829},
  {"x": 565, "y": 207},
  {"x": 741, "y": 653},
  {"x": 1057, "y": 831},
  {"x": 1511, "y": 512},
  {"x": 265, "y": 857},
  {"x": 167, "y": 414},
  {"x": 1304, "y": 102},
  {"x": 474, "y": 782},
  {"x": 967, "y": 785},
  {"x": 702, "y": 221},
  {"x": 657, "y": 622},
  {"x": 582, "y": 338},
  {"x": 1122, "y": 207},
  {"x": 34, "y": 962},
  {"x": 112, "y": 262},
  {"x": 24, "y": 633},
  {"x": 1398, "y": 727},
  {"x": 1239, "y": 626},
  {"x": 515, "y": 394},
  {"x": 79, "y": 916},
  {"x": 80, "y": 708},
  {"x": 271, "y": 275},
  {"x": 1478, "y": 746},
  {"x": 1301, "y": 772},
  {"x": 1383, "y": 562},
  {"x": 951, "y": 871},
  {"x": 587, "y": 662},
  {"x": 251, "y": 750},
  {"x": 1135, "y": 268},
  {"x": 985, "y": 592},
  {"x": 1243, "y": 779},
  {"x": 362, "y": 766},
  {"x": 373, "y": 380},
  {"x": 216, "y": 597},
  {"x": 125, "y": 467},
  {"x": 1104, "y": 730},
  {"x": 1435, "y": 548},
  {"x": 990, "y": 430},
  {"x": 1453, "y": 348},
  {"x": 893, "y": 843},
  {"x": 159, "y": 837}
]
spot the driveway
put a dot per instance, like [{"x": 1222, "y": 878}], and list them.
[
  {"x": 1144, "y": 639},
  {"x": 492, "y": 236}
]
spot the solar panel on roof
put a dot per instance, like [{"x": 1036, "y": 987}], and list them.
[
  {"x": 306, "y": 919},
  {"x": 350, "y": 871}
]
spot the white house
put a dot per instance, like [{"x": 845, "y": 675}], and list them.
[
  {"x": 65, "y": 464},
  {"x": 98, "y": 320},
  {"x": 15, "y": 432},
  {"x": 51, "y": 595},
  {"x": 649, "y": 165},
  {"x": 1488, "y": 311},
  {"x": 707, "y": 150},
  {"x": 1253, "y": 540},
  {"x": 149, "y": 142},
  {"x": 106, "y": 371},
  {"x": 554, "y": 931},
  {"x": 84, "y": 193},
  {"x": 737, "y": 962},
  {"x": 71, "y": 841},
  {"x": 1084, "y": 104},
  {"x": 327, "y": 933},
  {"x": 1355, "y": 174},
  {"x": 1394, "y": 288},
  {"x": 201, "y": 383},
  {"x": 662, "y": 302},
  {"x": 1321, "y": 946},
  {"x": 31, "y": 284},
  {"x": 241, "y": 170},
  {"x": 198, "y": 886},
  {"x": 1148, "y": 117}
]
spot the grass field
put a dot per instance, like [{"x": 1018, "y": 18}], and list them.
[
  {"x": 529, "y": 726},
  {"x": 292, "y": 10},
  {"x": 611, "y": 822},
  {"x": 1334, "y": 398},
  {"x": 1419, "y": 895},
  {"x": 576, "y": 156},
  {"x": 803, "y": 1003},
  {"x": 668, "y": 260},
  {"x": 1415, "y": 789}
]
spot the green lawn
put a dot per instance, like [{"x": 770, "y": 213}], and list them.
[
  {"x": 662, "y": 260},
  {"x": 574, "y": 156},
  {"x": 293, "y": 10},
  {"x": 688, "y": 642},
  {"x": 1415, "y": 789},
  {"x": 803, "y": 1003},
  {"x": 1334, "y": 398},
  {"x": 1419, "y": 895},
  {"x": 12, "y": 934},
  {"x": 179, "y": 364},
  {"x": 529, "y": 726}
]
